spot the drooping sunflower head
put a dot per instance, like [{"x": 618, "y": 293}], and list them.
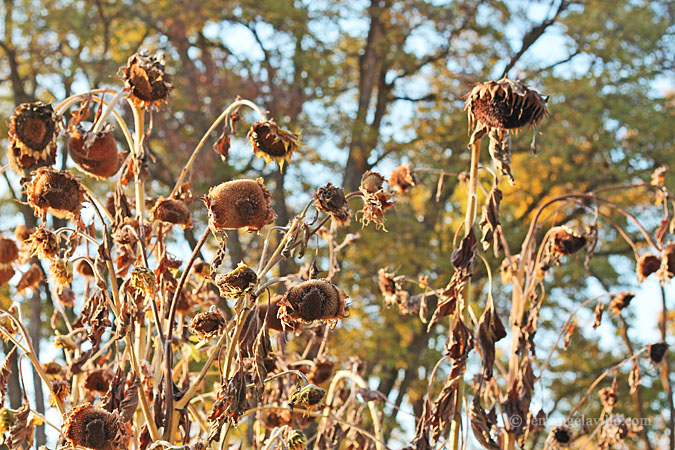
[
  {"x": 311, "y": 301},
  {"x": 208, "y": 324},
  {"x": 331, "y": 200},
  {"x": 95, "y": 154},
  {"x": 567, "y": 241},
  {"x": 237, "y": 282},
  {"x": 239, "y": 204},
  {"x": 93, "y": 428},
  {"x": 56, "y": 191},
  {"x": 504, "y": 105},
  {"x": 647, "y": 265},
  {"x": 273, "y": 143},
  {"x": 32, "y": 137},
  {"x": 145, "y": 77},
  {"x": 657, "y": 352},
  {"x": 402, "y": 179},
  {"x": 172, "y": 211}
]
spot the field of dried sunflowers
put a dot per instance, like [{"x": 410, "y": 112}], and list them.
[{"x": 154, "y": 360}]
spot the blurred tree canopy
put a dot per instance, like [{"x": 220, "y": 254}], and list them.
[{"x": 372, "y": 84}]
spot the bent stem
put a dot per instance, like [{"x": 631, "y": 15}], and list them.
[{"x": 223, "y": 116}]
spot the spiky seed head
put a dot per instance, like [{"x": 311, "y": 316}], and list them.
[
  {"x": 95, "y": 155},
  {"x": 56, "y": 191},
  {"x": 314, "y": 300},
  {"x": 144, "y": 280},
  {"x": 172, "y": 211},
  {"x": 332, "y": 200},
  {"x": 43, "y": 243},
  {"x": 402, "y": 179},
  {"x": 208, "y": 324},
  {"x": 32, "y": 137},
  {"x": 567, "y": 241},
  {"x": 295, "y": 440},
  {"x": 308, "y": 396},
  {"x": 98, "y": 380},
  {"x": 273, "y": 143},
  {"x": 146, "y": 79},
  {"x": 93, "y": 428},
  {"x": 239, "y": 204},
  {"x": 371, "y": 182},
  {"x": 237, "y": 282}
]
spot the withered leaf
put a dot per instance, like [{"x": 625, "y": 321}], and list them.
[
  {"x": 481, "y": 424},
  {"x": 222, "y": 145},
  {"x": 128, "y": 406},
  {"x": 100, "y": 268},
  {"x": 662, "y": 230},
  {"x": 490, "y": 330},
  {"x": 19, "y": 433},
  {"x": 447, "y": 301},
  {"x": 464, "y": 256},
  {"x": 597, "y": 314},
  {"x": 113, "y": 398},
  {"x": 500, "y": 151},
  {"x": 490, "y": 221},
  {"x": 5, "y": 371},
  {"x": 568, "y": 334},
  {"x": 634, "y": 379},
  {"x": 261, "y": 349}
]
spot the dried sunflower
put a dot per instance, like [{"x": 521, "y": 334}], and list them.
[
  {"x": 43, "y": 243},
  {"x": 239, "y": 204},
  {"x": 61, "y": 272},
  {"x": 321, "y": 371},
  {"x": 144, "y": 280},
  {"x": 146, "y": 79},
  {"x": 56, "y": 191},
  {"x": 21, "y": 233},
  {"x": 375, "y": 200},
  {"x": 273, "y": 418},
  {"x": 609, "y": 396},
  {"x": 208, "y": 324},
  {"x": 314, "y": 300},
  {"x": 9, "y": 252},
  {"x": 657, "y": 352},
  {"x": 202, "y": 269},
  {"x": 332, "y": 200},
  {"x": 32, "y": 137},
  {"x": 84, "y": 268},
  {"x": 98, "y": 381},
  {"x": 237, "y": 282},
  {"x": 308, "y": 396},
  {"x": 95, "y": 154},
  {"x": 295, "y": 440},
  {"x": 172, "y": 211},
  {"x": 402, "y": 179},
  {"x": 30, "y": 279},
  {"x": 60, "y": 391},
  {"x": 94, "y": 428},
  {"x": 669, "y": 258},
  {"x": 560, "y": 437},
  {"x": 620, "y": 301},
  {"x": 647, "y": 265},
  {"x": 273, "y": 143},
  {"x": 567, "y": 241}
]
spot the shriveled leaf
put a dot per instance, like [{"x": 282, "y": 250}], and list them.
[
  {"x": 19, "y": 433},
  {"x": 500, "y": 151},
  {"x": 634, "y": 379},
  {"x": 489, "y": 221},
  {"x": 568, "y": 334},
  {"x": 128, "y": 406},
  {"x": 597, "y": 314},
  {"x": 490, "y": 330},
  {"x": 5, "y": 371},
  {"x": 662, "y": 230},
  {"x": 482, "y": 423},
  {"x": 113, "y": 398}
]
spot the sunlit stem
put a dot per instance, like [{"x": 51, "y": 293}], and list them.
[
  {"x": 214, "y": 125},
  {"x": 70, "y": 101},
  {"x": 106, "y": 113}
]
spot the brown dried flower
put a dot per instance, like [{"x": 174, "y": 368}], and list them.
[
  {"x": 208, "y": 324},
  {"x": 146, "y": 79},
  {"x": 237, "y": 282},
  {"x": 567, "y": 241},
  {"x": 144, "y": 280},
  {"x": 273, "y": 418},
  {"x": 321, "y": 371},
  {"x": 669, "y": 258},
  {"x": 84, "y": 268},
  {"x": 504, "y": 104},
  {"x": 657, "y": 352},
  {"x": 98, "y": 381},
  {"x": 308, "y": 396},
  {"x": 295, "y": 440},
  {"x": 43, "y": 243},
  {"x": 620, "y": 301},
  {"x": 202, "y": 269},
  {"x": 402, "y": 179},
  {"x": 314, "y": 300},
  {"x": 172, "y": 211},
  {"x": 273, "y": 143},
  {"x": 332, "y": 200},
  {"x": 95, "y": 154},
  {"x": 56, "y": 191},
  {"x": 6, "y": 274},
  {"x": 31, "y": 279},
  {"x": 21, "y": 233},
  {"x": 647, "y": 265},
  {"x": 94, "y": 428},
  {"x": 239, "y": 204},
  {"x": 560, "y": 437},
  {"x": 609, "y": 396},
  {"x": 9, "y": 252},
  {"x": 61, "y": 272},
  {"x": 375, "y": 200},
  {"x": 32, "y": 138}
]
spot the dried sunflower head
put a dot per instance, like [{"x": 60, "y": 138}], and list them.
[
  {"x": 375, "y": 200},
  {"x": 371, "y": 182},
  {"x": 94, "y": 428},
  {"x": 609, "y": 396},
  {"x": 560, "y": 437},
  {"x": 144, "y": 280},
  {"x": 504, "y": 104},
  {"x": 647, "y": 265},
  {"x": 657, "y": 352},
  {"x": 314, "y": 300},
  {"x": 31, "y": 279},
  {"x": 61, "y": 272},
  {"x": 321, "y": 371},
  {"x": 95, "y": 154},
  {"x": 567, "y": 241},
  {"x": 172, "y": 211},
  {"x": 273, "y": 143},
  {"x": 9, "y": 252},
  {"x": 295, "y": 440},
  {"x": 21, "y": 233},
  {"x": 237, "y": 282},
  {"x": 146, "y": 79},
  {"x": 202, "y": 269},
  {"x": 43, "y": 243},
  {"x": 98, "y": 381},
  {"x": 273, "y": 418},
  {"x": 56, "y": 191},
  {"x": 332, "y": 200},
  {"x": 32, "y": 137},
  {"x": 669, "y": 258},
  {"x": 208, "y": 324},
  {"x": 239, "y": 204},
  {"x": 6, "y": 274},
  {"x": 309, "y": 396},
  {"x": 402, "y": 179},
  {"x": 619, "y": 302}
]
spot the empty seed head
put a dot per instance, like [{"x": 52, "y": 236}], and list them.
[
  {"x": 32, "y": 137},
  {"x": 96, "y": 154},
  {"x": 314, "y": 300},
  {"x": 146, "y": 79},
  {"x": 237, "y": 282},
  {"x": 504, "y": 104},
  {"x": 371, "y": 182},
  {"x": 620, "y": 301},
  {"x": 239, "y": 204},
  {"x": 332, "y": 200},
  {"x": 94, "y": 428},
  {"x": 567, "y": 241},
  {"x": 43, "y": 243},
  {"x": 56, "y": 191},
  {"x": 208, "y": 324},
  {"x": 172, "y": 211},
  {"x": 647, "y": 265},
  {"x": 273, "y": 143}
]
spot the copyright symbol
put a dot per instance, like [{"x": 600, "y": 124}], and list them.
[{"x": 515, "y": 421}]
